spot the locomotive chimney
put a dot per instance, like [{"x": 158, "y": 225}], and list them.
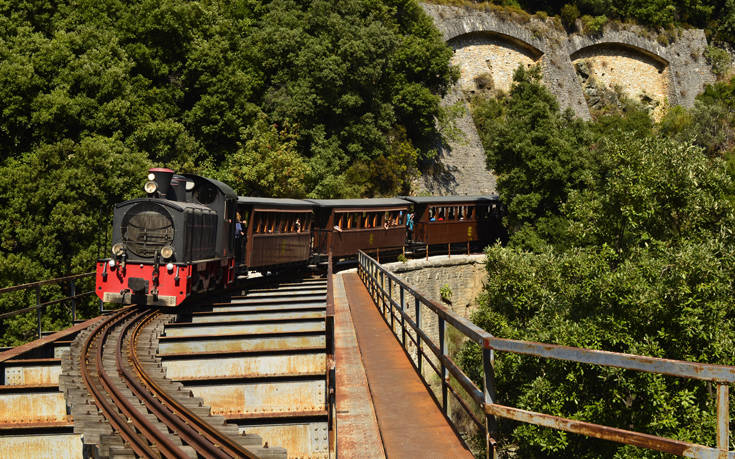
[{"x": 162, "y": 178}]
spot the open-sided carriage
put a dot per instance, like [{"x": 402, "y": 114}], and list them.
[
  {"x": 277, "y": 233},
  {"x": 456, "y": 219},
  {"x": 349, "y": 225}
]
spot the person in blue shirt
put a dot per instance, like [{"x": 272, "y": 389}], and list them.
[{"x": 409, "y": 225}]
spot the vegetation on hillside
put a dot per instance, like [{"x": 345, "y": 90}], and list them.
[
  {"x": 716, "y": 17},
  {"x": 279, "y": 98},
  {"x": 621, "y": 240}
]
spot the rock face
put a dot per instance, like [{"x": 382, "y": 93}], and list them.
[
  {"x": 461, "y": 168},
  {"x": 582, "y": 71}
]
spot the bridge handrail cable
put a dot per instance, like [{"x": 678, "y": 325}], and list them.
[{"x": 377, "y": 278}]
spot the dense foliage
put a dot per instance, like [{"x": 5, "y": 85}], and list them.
[
  {"x": 622, "y": 241},
  {"x": 279, "y": 98}
]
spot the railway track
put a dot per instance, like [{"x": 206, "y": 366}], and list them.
[
  {"x": 246, "y": 374},
  {"x": 125, "y": 407},
  {"x": 260, "y": 359}
]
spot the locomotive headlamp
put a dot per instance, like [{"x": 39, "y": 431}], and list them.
[
  {"x": 151, "y": 176},
  {"x": 111, "y": 263},
  {"x": 167, "y": 252},
  {"x": 170, "y": 267},
  {"x": 150, "y": 187},
  {"x": 189, "y": 185},
  {"x": 118, "y": 249}
]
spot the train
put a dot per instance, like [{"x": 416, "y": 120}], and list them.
[{"x": 193, "y": 234}]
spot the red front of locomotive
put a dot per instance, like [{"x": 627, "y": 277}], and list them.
[{"x": 161, "y": 285}]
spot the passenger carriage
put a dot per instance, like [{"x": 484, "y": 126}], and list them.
[
  {"x": 348, "y": 225},
  {"x": 455, "y": 219},
  {"x": 277, "y": 233}
]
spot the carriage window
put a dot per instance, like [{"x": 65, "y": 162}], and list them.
[{"x": 469, "y": 212}]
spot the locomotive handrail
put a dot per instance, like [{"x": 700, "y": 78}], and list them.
[
  {"x": 40, "y": 306},
  {"x": 376, "y": 278}
]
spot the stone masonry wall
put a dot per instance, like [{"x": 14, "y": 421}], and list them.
[
  {"x": 465, "y": 275},
  {"x": 489, "y": 46}
]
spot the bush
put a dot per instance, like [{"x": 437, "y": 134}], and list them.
[
  {"x": 718, "y": 59},
  {"x": 593, "y": 25},
  {"x": 445, "y": 292},
  {"x": 569, "y": 15}
]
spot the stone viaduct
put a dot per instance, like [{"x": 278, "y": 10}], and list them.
[{"x": 626, "y": 60}]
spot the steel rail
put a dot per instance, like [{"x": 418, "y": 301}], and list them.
[
  {"x": 120, "y": 424},
  {"x": 199, "y": 434},
  {"x": 165, "y": 447}
]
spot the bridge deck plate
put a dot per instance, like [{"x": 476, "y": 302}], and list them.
[{"x": 411, "y": 424}]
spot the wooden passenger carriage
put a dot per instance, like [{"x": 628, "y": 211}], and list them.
[
  {"x": 277, "y": 231},
  {"x": 453, "y": 219},
  {"x": 358, "y": 224}
]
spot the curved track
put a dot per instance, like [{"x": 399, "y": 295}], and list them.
[{"x": 115, "y": 374}]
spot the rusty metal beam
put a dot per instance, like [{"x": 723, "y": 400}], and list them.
[{"x": 628, "y": 437}]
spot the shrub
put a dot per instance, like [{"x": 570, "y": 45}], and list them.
[
  {"x": 445, "y": 292},
  {"x": 569, "y": 15},
  {"x": 718, "y": 59},
  {"x": 593, "y": 25}
]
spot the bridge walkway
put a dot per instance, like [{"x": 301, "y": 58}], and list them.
[{"x": 382, "y": 385}]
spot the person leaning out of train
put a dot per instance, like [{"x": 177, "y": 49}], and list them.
[{"x": 239, "y": 233}]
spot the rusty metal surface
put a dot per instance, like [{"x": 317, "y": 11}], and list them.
[
  {"x": 300, "y": 440},
  {"x": 20, "y": 350},
  {"x": 257, "y": 343},
  {"x": 262, "y": 399},
  {"x": 265, "y": 308},
  {"x": 235, "y": 329},
  {"x": 667, "y": 445},
  {"x": 33, "y": 407},
  {"x": 308, "y": 314},
  {"x": 58, "y": 446},
  {"x": 694, "y": 370},
  {"x": 245, "y": 366},
  {"x": 284, "y": 293},
  {"x": 397, "y": 391},
  {"x": 26, "y": 374},
  {"x": 359, "y": 435},
  {"x": 282, "y": 302}
]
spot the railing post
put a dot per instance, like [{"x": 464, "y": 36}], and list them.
[
  {"x": 390, "y": 303},
  {"x": 488, "y": 361},
  {"x": 417, "y": 304},
  {"x": 403, "y": 315},
  {"x": 443, "y": 367},
  {"x": 73, "y": 290},
  {"x": 38, "y": 308},
  {"x": 723, "y": 417}
]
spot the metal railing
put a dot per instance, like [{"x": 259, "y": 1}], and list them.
[
  {"x": 331, "y": 376},
  {"x": 72, "y": 297},
  {"x": 411, "y": 330}
]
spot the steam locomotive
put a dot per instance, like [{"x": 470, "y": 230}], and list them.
[{"x": 181, "y": 239}]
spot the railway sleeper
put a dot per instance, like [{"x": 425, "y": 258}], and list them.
[{"x": 184, "y": 396}]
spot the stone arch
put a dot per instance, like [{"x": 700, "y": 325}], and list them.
[
  {"x": 623, "y": 69},
  {"x": 487, "y": 59}
]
